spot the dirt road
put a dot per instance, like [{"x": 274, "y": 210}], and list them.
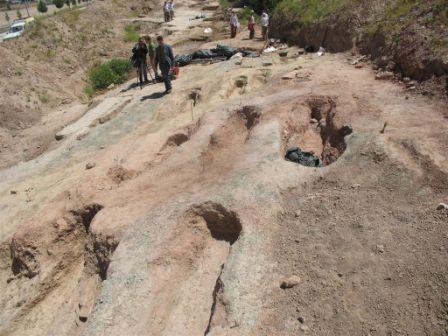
[{"x": 178, "y": 215}]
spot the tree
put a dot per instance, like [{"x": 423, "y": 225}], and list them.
[
  {"x": 67, "y": 3},
  {"x": 7, "y": 16},
  {"x": 58, "y": 3},
  {"x": 42, "y": 7},
  {"x": 19, "y": 14}
]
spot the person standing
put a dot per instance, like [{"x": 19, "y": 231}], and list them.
[
  {"x": 172, "y": 10},
  {"x": 233, "y": 24},
  {"x": 251, "y": 26},
  {"x": 139, "y": 52},
  {"x": 165, "y": 60},
  {"x": 264, "y": 25},
  {"x": 152, "y": 56},
  {"x": 166, "y": 11}
]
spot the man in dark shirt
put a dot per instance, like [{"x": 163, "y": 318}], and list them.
[
  {"x": 139, "y": 52},
  {"x": 165, "y": 60}
]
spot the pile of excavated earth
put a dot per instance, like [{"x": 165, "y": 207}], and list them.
[{"x": 195, "y": 213}]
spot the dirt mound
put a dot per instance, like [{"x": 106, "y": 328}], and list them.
[{"x": 391, "y": 30}]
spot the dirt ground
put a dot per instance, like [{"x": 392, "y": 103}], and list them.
[{"x": 178, "y": 214}]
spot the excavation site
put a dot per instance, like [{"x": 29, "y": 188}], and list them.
[{"x": 224, "y": 168}]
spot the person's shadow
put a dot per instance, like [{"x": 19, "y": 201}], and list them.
[
  {"x": 130, "y": 87},
  {"x": 155, "y": 95}
]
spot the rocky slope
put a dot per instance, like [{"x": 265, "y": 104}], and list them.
[{"x": 178, "y": 214}]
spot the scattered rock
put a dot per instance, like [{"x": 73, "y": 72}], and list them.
[
  {"x": 391, "y": 66},
  {"x": 267, "y": 63},
  {"x": 301, "y": 319},
  {"x": 380, "y": 248},
  {"x": 359, "y": 66},
  {"x": 290, "y": 75},
  {"x": 90, "y": 165},
  {"x": 59, "y": 136},
  {"x": 110, "y": 87},
  {"x": 442, "y": 206},
  {"x": 290, "y": 282},
  {"x": 304, "y": 328},
  {"x": 13, "y": 192},
  {"x": 384, "y": 75},
  {"x": 313, "y": 121}
]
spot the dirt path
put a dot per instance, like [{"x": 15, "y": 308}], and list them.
[{"x": 172, "y": 215}]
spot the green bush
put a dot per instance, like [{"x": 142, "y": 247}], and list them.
[
  {"x": 58, "y": 3},
  {"x": 42, "y": 7},
  {"x": 113, "y": 72},
  {"x": 121, "y": 68},
  {"x": 19, "y": 14}
]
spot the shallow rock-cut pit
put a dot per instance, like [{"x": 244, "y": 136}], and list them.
[
  {"x": 321, "y": 142},
  {"x": 48, "y": 255},
  {"x": 250, "y": 115},
  {"x": 229, "y": 138},
  {"x": 196, "y": 257}
]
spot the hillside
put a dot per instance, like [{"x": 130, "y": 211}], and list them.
[{"x": 48, "y": 69}]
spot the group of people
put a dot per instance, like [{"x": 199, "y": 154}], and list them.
[
  {"x": 168, "y": 11},
  {"x": 264, "y": 22},
  {"x": 160, "y": 56}
]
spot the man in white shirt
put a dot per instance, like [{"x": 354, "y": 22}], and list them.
[
  {"x": 264, "y": 25},
  {"x": 166, "y": 11},
  {"x": 233, "y": 25}
]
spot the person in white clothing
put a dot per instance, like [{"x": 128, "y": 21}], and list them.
[
  {"x": 166, "y": 11},
  {"x": 264, "y": 25},
  {"x": 233, "y": 24}
]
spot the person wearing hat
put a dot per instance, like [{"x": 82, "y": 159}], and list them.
[{"x": 264, "y": 25}]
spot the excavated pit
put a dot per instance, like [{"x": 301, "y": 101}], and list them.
[
  {"x": 192, "y": 263},
  {"x": 54, "y": 250},
  {"x": 222, "y": 223},
  {"x": 250, "y": 115},
  {"x": 321, "y": 142}
]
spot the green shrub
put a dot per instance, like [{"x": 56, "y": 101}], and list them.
[
  {"x": 89, "y": 91},
  {"x": 121, "y": 68},
  {"x": 42, "y": 7},
  {"x": 113, "y": 72},
  {"x": 130, "y": 34},
  {"x": 19, "y": 14},
  {"x": 102, "y": 76},
  {"x": 58, "y": 3}
]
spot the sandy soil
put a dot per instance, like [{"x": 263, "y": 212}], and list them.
[{"x": 178, "y": 215}]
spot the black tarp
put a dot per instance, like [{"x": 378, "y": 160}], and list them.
[
  {"x": 308, "y": 159},
  {"x": 221, "y": 51}
]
